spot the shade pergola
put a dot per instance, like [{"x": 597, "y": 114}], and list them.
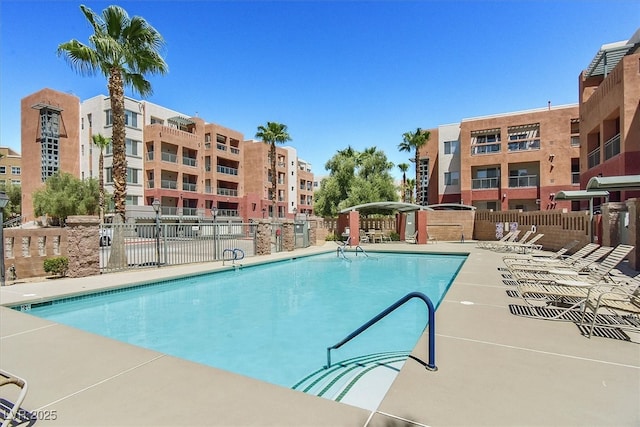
[
  {"x": 614, "y": 183},
  {"x": 390, "y": 206}
]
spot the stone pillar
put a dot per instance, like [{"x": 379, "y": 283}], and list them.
[
  {"x": 313, "y": 231},
  {"x": 633, "y": 207},
  {"x": 288, "y": 236},
  {"x": 611, "y": 223},
  {"x": 421, "y": 226},
  {"x": 354, "y": 226},
  {"x": 83, "y": 234},
  {"x": 263, "y": 238}
]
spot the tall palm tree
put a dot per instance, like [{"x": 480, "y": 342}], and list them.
[
  {"x": 404, "y": 167},
  {"x": 415, "y": 141},
  {"x": 271, "y": 134},
  {"x": 102, "y": 143},
  {"x": 123, "y": 50}
]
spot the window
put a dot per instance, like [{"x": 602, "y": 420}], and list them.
[
  {"x": 132, "y": 175},
  {"x": 130, "y": 147},
  {"x": 15, "y": 170},
  {"x": 450, "y": 147},
  {"x": 130, "y": 118},
  {"x": 108, "y": 118},
  {"x": 451, "y": 178},
  {"x": 3, "y": 169},
  {"x": 15, "y": 181},
  {"x": 155, "y": 120}
]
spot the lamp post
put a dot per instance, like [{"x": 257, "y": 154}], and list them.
[
  {"x": 295, "y": 214},
  {"x": 3, "y": 202},
  {"x": 156, "y": 209},
  {"x": 214, "y": 213}
]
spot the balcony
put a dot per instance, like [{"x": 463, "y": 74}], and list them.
[
  {"x": 190, "y": 211},
  {"x": 527, "y": 145},
  {"x": 150, "y": 156},
  {"x": 150, "y": 184},
  {"x": 485, "y": 183},
  {"x": 171, "y": 185},
  {"x": 227, "y": 170},
  {"x": 207, "y": 189},
  {"x": 168, "y": 157},
  {"x": 221, "y": 147},
  {"x": 485, "y": 149},
  {"x": 235, "y": 150},
  {"x": 189, "y": 161},
  {"x": 169, "y": 210},
  {"x": 227, "y": 192},
  {"x": 228, "y": 212},
  {"x": 188, "y": 186},
  {"x": 593, "y": 158},
  {"x": 612, "y": 147},
  {"x": 523, "y": 181}
]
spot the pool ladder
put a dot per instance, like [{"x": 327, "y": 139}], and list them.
[
  {"x": 431, "y": 366},
  {"x": 236, "y": 255},
  {"x": 341, "y": 253}
]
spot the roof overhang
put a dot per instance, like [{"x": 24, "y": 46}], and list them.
[
  {"x": 580, "y": 195},
  {"x": 452, "y": 207},
  {"x": 610, "y": 54},
  {"x": 45, "y": 106},
  {"x": 390, "y": 206},
  {"x": 614, "y": 183}
]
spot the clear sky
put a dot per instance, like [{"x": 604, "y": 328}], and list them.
[{"x": 337, "y": 73}]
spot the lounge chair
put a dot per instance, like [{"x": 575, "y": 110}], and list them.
[
  {"x": 497, "y": 245},
  {"x": 6, "y": 379},
  {"x": 363, "y": 237},
  {"x": 576, "y": 267},
  {"x": 621, "y": 299},
  {"x": 584, "y": 251},
  {"x": 413, "y": 238},
  {"x": 506, "y": 246},
  {"x": 487, "y": 243},
  {"x": 554, "y": 289},
  {"x": 539, "y": 257},
  {"x": 523, "y": 247}
]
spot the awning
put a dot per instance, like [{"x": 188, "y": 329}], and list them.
[
  {"x": 614, "y": 183},
  {"x": 391, "y": 206},
  {"x": 580, "y": 195}
]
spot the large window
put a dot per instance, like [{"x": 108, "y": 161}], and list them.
[
  {"x": 15, "y": 170},
  {"x": 451, "y": 178},
  {"x": 485, "y": 141},
  {"x": 130, "y": 118},
  {"x": 450, "y": 147},
  {"x": 130, "y": 146},
  {"x": 132, "y": 175}
]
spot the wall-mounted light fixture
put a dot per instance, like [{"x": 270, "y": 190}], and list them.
[{"x": 551, "y": 157}]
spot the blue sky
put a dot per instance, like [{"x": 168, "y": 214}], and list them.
[{"x": 338, "y": 73}]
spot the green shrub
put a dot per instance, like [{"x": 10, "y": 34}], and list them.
[
  {"x": 331, "y": 237},
  {"x": 394, "y": 236},
  {"x": 57, "y": 265}
]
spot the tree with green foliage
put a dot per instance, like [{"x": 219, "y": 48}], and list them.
[
  {"x": 102, "y": 143},
  {"x": 411, "y": 184},
  {"x": 355, "y": 178},
  {"x": 414, "y": 141},
  {"x": 404, "y": 167},
  {"x": 124, "y": 50},
  {"x": 65, "y": 195},
  {"x": 14, "y": 206},
  {"x": 271, "y": 134}
]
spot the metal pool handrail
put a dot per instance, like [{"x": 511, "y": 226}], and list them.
[{"x": 432, "y": 335}]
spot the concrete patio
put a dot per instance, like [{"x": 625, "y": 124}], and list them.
[{"x": 494, "y": 368}]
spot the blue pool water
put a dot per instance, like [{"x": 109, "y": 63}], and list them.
[{"x": 275, "y": 321}]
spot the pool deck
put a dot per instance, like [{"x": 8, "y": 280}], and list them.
[{"x": 494, "y": 368}]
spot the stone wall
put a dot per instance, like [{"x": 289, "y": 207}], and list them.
[
  {"x": 263, "y": 238},
  {"x": 83, "y": 234}
]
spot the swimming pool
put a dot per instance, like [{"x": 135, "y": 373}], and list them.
[{"x": 272, "y": 322}]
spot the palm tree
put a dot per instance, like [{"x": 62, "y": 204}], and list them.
[
  {"x": 271, "y": 134},
  {"x": 122, "y": 49},
  {"x": 102, "y": 143},
  {"x": 415, "y": 141},
  {"x": 404, "y": 167}
]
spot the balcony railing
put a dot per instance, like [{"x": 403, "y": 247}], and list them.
[
  {"x": 484, "y": 183},
  {"x": 168, "y": 157},
  {"x": 207, "y": 189},
  {"x": 189, "y": 161},
  {"x": 575, "y": 178},
  {"x": 485, "y": 149},
  {"x": 221, "y": 147},
  {"x": 228, "y": 212},
  {"x": 150, "y": 183},
  {"x": 169, "y": 210},
  {"x": 593, "y": 158},
  {"x": 227, "y": 192},
  {"x": 190, "y": 211},
  {"x": 171, "y": 185},
  {"x": 234, "y": 150},
  {"x": 227, "y": 170},
  {"x": 523, "y": 181},
  {"x": 612, "y": 147},
  {"x": 188, "y": 186},
  {"x": 524, "y": 145}
]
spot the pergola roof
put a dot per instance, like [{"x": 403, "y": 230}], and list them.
[
  {"x": 614, "y": 183},
  {"x": 610, "y": 54},
  {"x": 452, "y": 207},
  {"x": 580, "y": 194},
  {"x": 391, "y": 206}
]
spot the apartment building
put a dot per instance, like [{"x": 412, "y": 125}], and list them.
[
  {"x": 609, "y": 103},
  {"x": 193, "y": 167},
  {"x": 294, "y": 182},
  {"x": 10, "y": 167},
  {"x": 516, "y": 160}
]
